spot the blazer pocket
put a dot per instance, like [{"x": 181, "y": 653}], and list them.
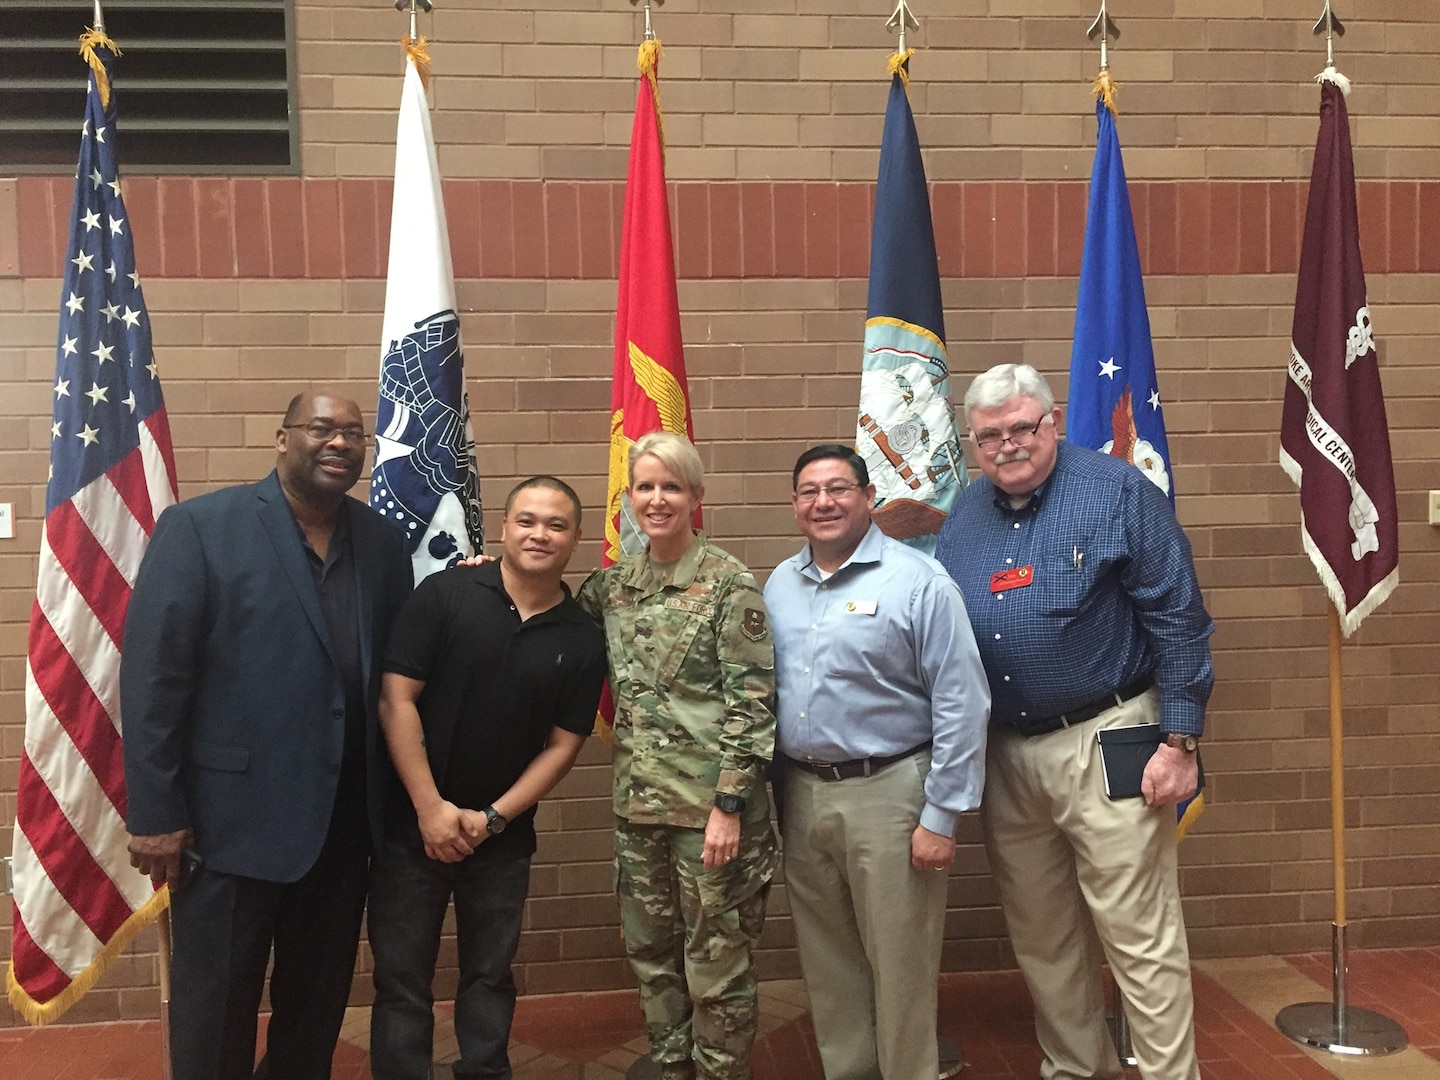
[{"x": 223, "y": 758}]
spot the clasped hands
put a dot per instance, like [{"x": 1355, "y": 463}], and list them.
[{"x": 451, "y": 833}]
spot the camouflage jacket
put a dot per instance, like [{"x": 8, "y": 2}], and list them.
[{"x": 692, "y": 667}]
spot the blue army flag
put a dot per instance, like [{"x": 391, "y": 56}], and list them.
[
  {"x": 424, "y": 479},
  {"x": 906, "y": 428},
  {"x": 1114, "y": 394}
]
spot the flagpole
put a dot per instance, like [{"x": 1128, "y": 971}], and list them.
[
  {"x": 949, "y": 1058},
  {"x": 1336, "y": 1025},
  {"x": 1104, "y": 29},
  {"x": 162, "y": 920}
]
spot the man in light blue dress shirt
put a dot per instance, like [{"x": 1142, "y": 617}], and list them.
[{"x": 883, "y": 706}]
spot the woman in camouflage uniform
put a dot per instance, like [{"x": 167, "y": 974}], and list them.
[{"x": 691, "y": 669}]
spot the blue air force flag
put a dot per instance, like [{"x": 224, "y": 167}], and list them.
[
  {"x": 1114, "y": 397},
  {"x": 425, "y": 479},
  {"x": 906, "y": 427}
]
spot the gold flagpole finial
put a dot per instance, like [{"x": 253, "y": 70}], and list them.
[
  {"x": 1104, "y": 28},
  {"x": 649, "y": 30},
  {"x": 1330, "y": 24}
]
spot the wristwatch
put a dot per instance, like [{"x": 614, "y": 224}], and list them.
[
  {"x": 729, "y": 804},
  {"x": 494, "y": 821},
  {"x": 1188, "y": 743}
]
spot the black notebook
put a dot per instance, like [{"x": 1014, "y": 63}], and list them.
[{"x": 1124, "y": 753}]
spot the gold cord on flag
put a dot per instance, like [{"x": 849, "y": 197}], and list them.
[
  {"x": 899, "y": 64},
  {"x": 91, "y": 40},
  {"x": 1106, "y": 88},
  {"x": 415, "y": 50},
  {"x": 648, "y": 61}
]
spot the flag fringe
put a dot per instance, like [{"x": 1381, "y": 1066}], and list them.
[
  {"x": 415, "y": 51},
  {"x": 1330, "y": 75},
  {"x": 1106, "y": 89},
  {"x": 1192, "y": 812},
  {"x": 40, "y": 1013},
  {"x": 91, "y": 40},
  {"x": 899, "y": 64},
  {"x": 648, "y": 60},
  {"x": 1349, "y": 621}
]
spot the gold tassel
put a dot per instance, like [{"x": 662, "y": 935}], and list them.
[
  {"x": 91, "y": 40},
  {"x": 648, "y": 60},
  {"x": 1106, "y": 88},
  {"x": 900, "y": 65},
  {"x": 415, "y": 50}
]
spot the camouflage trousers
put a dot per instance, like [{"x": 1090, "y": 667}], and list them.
[{"x": 701, "y": 1020}]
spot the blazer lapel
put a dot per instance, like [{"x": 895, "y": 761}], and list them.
[{"x": 279, "y": 525}]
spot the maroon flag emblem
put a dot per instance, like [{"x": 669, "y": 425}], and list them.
[{"x": 1334, "y": 441}]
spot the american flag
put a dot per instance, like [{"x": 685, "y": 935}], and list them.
[{"x": 78, "y": 902}]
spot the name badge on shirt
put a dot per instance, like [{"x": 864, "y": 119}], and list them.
[
  {"x": 861, "y": 607},
  {"x": 1016, "y": 578}
]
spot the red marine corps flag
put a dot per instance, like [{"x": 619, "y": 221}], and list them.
[
  {"x": 1334, "y": 442},
  {"x": 649, "y": 391}
]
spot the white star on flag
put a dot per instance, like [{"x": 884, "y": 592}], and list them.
[{"x": 1109, "y": 367}]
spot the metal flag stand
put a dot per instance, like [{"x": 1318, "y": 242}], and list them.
[{"x": 1336, "y": 1025}]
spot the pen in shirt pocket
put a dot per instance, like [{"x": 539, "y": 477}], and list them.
[{"x": 1077, "y": 556}]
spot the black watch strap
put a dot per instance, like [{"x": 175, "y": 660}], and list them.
[
  {"x": 729, "y": 804},
  {"x": 494, "y": 821}
]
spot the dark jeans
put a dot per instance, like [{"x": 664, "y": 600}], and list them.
[
  {"x": 224, "y": 927},
  {"x": 409, "y": 893}
]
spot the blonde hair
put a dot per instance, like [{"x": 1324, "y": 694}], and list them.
[{"x": 675, "y": 452}]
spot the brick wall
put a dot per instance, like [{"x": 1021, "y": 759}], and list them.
[{"x": 258, "y": 286}]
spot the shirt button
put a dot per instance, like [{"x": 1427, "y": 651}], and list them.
[
  {"x": 1016, "y": 525},
  {"x": 997, "y": 637},
  {"x": 1024, "y": 713},
  {"x": 807, "y": 671},
  {"x": 1007, "y": 678},
  {"x": 999, "y": 596},
  {"x": 802, "y": 716},
  {"x": 1009, "y": 560},
  {"x": 814, "y": 626}
]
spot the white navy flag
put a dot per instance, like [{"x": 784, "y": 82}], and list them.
[{"x": 425, "y": 478}]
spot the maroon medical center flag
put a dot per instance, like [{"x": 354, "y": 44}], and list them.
[{"x": 1334, "y": 441}]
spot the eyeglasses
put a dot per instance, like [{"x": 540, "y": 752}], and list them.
[
  {"x": 837, "y": 491},
  {"x": 1020, "y": 435},
  {"x": 322, "y": 432}
]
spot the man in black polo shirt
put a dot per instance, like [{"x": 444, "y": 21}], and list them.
[{"x": 491, "y": 681}]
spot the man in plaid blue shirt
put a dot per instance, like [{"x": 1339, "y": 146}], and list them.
[{"x": 1082, "y": 591}]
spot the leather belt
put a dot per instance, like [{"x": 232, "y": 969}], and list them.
[
  {"x": 1090, "y": 710},
  {"x": 831, "y": 771}
]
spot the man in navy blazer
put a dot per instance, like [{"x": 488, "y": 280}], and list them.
[{"x": 248, "y": 687}]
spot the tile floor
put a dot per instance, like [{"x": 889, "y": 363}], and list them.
[{"x": 598, "y": 1036}]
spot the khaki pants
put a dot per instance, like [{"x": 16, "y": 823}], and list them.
[
  {"x": 1065, "y": 855},
  {"x": 869, "y": 926}
]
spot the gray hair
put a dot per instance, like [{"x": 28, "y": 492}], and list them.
[
  {"x": 675, "y": 452},
  {"x": 993, "y": 388}
]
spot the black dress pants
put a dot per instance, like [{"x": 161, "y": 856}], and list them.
[{"x": 225, "y": 927}]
